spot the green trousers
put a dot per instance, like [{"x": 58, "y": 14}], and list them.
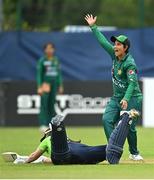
[
  {"x": 47, "y": 110},
  {"x": 112, "y": 115}
]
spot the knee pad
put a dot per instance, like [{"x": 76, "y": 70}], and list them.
[{"x": 113, "y": 153}]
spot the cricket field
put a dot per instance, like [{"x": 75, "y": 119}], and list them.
[{"x": 25, "y": 140}]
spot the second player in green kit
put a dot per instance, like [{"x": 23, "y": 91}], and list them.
[
  {"x": 126, "y": 91},
  {"x": 49, "y": 82}
]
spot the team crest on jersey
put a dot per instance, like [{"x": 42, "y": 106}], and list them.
[
  {"x": 131, "y": 72},
  {"x": 119, "y": 71}
]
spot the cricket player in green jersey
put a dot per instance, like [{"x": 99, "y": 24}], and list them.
[
  {"x": 126, "y": 91},
  {"x": 49, "y": 83}
]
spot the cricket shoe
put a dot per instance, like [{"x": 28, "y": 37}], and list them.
[
  {"x": 57, "y": 120},
  {"x": 136, "y": 157}
]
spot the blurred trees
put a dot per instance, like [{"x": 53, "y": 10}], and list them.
[{"x": 47, "y": 15}]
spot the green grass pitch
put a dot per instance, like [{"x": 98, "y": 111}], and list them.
[{"x": 25, "y": 140}]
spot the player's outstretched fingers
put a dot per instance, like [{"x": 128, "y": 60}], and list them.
[{"x": 87, "y": 17}]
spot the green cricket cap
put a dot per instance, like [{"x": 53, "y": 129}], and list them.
[{"x": 122, "y": 39}]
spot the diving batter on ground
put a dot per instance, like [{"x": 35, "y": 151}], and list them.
[
  {"x": 64, "y": 151},
  {"x": 49, "y": 82},
  {"x": 126, "y": 91}
]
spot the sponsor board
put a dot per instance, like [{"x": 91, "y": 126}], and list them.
[
  {"x": 83, "y": 103},
  {"x": 65, "y": 104}
]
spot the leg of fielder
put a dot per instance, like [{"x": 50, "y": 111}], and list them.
[
  {"x": 60, "y": 150},
  {"x": 51, "y": 102},
  {"x": 44, "y": 114},
  {"x": 117, "y": 139}
]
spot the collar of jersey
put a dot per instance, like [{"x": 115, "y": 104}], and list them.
[
  {"x": 46, "y": 59},
  {"x": 124, "y": 58}
]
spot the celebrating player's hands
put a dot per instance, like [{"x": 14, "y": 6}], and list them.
[
  {"x": 91, "y": 20},
  {"x": 124, "y": 104}
]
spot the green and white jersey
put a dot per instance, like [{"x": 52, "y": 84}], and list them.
[
  {"x": 49, "y": 71},
  {"x": 124, "y": 72},
  {"x": 45, "y": 145}
]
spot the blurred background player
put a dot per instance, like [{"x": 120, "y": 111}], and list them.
[
  {"x": 49, "y": 83},
  {"x": 127, "y": 94}
]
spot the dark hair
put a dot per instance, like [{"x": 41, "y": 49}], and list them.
[
  {"x": 48, "y": 43},
  {"x": 126, "y": 43}
]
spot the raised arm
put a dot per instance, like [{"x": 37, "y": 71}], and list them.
[{"x": 100, "y": 37}]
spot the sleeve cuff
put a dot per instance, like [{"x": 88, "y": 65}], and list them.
[
  {"x": 126, "y": 98},
  {"x": 94, "y": 26}
]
